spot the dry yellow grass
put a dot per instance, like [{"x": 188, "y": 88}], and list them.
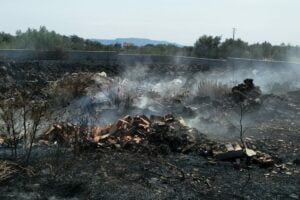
[{"x": 8, "y": 169}]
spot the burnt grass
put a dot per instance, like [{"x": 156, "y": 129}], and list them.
[
  {"x": 127, "y": 175},
  {"x": 123, "y": 174}
]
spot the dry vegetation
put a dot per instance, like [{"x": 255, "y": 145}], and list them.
[
  {"x": 9, "y": 169},
  {"x": 212, "y": 89}
]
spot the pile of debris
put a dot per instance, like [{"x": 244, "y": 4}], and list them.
[
  {"x": 246, "y": 91},
  {"x": 154, "y": 134},
  {"x": 167, "y": 132}
]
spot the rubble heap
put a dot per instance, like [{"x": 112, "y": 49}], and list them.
[
  {"x": 166, "y": 133},
  {"x": 155, "y": 135}
]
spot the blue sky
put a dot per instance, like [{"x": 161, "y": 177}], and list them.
[{"x": 181, "y": 21}]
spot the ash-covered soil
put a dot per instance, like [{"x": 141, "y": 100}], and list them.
[
  {"x": 271, "y": 123},
  {"x": 127, "y": 175}
]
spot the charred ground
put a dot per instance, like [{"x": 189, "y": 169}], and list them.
[{"x": 165, "y": 164}]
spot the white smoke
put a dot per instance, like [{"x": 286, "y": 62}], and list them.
[{"x": 153, "y": 93}]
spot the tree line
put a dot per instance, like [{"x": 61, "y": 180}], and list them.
[
  {"x": 213, "y": 47},
  {"x": 206, "y": 46}
]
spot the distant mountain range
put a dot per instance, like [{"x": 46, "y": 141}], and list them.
[{"x": 136, "y": 41}]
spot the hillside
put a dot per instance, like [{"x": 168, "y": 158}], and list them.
[{"x": 135, "y": 41}]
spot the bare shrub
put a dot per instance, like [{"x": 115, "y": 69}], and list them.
[
  {"x": 81, "y": 133},
  {"x": 242, "y": 129},
  {"x": 20, "y": 119},
  {"x": 37, "y": 111},
  {"x": 120, "y": 100},
  {"x": 120, "y": 97},
  {"x": 9, "y": 117},
  {"x": 212, "y": 89}
]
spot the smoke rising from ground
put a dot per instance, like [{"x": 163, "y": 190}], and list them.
[{"x": 195, "y": 96}]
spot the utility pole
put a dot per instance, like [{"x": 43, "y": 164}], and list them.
[{"x": 233, "y": 33}]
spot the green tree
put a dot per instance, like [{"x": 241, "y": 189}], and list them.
[
  {"x": 207, "y": 47},
  {"x": 234, "y": 48}
]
